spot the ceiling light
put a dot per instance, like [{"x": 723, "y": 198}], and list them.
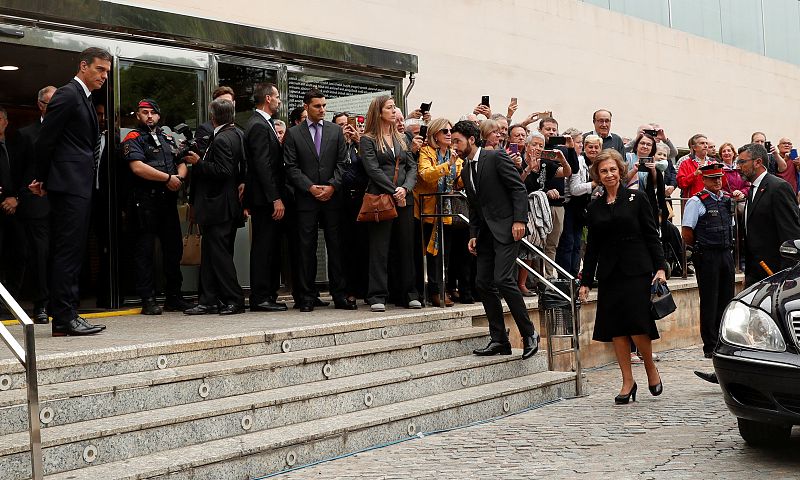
[{"x": 9, "y": 68}]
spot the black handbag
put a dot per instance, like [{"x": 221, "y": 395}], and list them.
[{"x": 661, "y": 301}]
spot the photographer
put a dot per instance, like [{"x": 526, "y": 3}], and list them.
[
  {"x": 218, "y": 210},
  {"x": 648, "y": 174},
  {"x": 152, "y": 212}
]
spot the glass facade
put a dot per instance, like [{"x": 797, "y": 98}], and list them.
[{"x": 767, "y": 27}]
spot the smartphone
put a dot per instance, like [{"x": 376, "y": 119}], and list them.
[
  {"x": 793, "y": 154},
  {"x": 768, "y": 145},
  {"x": 423, "y": 131},
  {"x": 549, "y": 154},
  {"x": 644, "y": 160},
  {"x": 556, "y": 140},
  {"x": 546, "y": 114},
  {"x": 425, "y": 107},
  {"x": 650, "y": 132},
  {"x": 485, "y": 100},
  {"x": 351, "y": 121},
  {"x": 514, "y": 100},
  {"x": 513, "y": 147}
]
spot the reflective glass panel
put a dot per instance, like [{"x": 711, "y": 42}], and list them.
[
  {"x": 700, "y": 17},
  {"x": 782, "y": 29},
  {"x": 652, "y": 10},
  {"x": 742, "y": 24}
]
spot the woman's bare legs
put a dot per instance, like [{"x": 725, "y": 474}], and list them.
[
  {"x": 645, "y": 347},
  {"x": 622, "y": 348}
]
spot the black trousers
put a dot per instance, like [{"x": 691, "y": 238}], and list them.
[
  {"x": 396, "y": 237},
  {"x": 715, "y": 277},
  {"x": 308, "y": 222},
  {"x": 355, "y": 245},
  {"x": 37, "y": 234},
  {"x": 218, "y": 275},
  {"x": 265, "y": 255},
  {"x": 155, "y": 216},
  {"x": 461, "y": 269},
  {"x": 69, "y": 229},
  {"x": 496, "y": 278},
  {"x": 13, "y": 251}
]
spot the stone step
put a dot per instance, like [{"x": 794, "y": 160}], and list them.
[
  {"x": 143, "y": 433},
  {"x": 252, "y": 455},
  {"x": 104, "y": 362},
  {"x": 85, "y": 400}
]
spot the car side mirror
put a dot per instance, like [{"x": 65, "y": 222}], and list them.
[{"x": 791, "y": 250}]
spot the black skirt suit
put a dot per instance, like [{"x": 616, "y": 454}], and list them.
[{"x": 623, "y": 252}]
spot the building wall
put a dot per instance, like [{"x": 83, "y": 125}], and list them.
[{"x": 567, "y": 56}]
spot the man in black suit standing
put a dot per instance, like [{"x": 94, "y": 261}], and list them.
[
  {"x": 264, "y": 193},
  {"x": 67, "y": 152},
  {"x": 216, "y": 209},
  {"x": 315, "y": 152},
  {"x": 771, "y": 214},
  {"x": 497, "y": 217},
  {"x": 33, "y": 210}
]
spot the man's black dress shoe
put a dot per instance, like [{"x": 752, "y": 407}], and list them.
[
  {"x": 40, "y": 316},
  {"x": 269, "y": 305},
  {"x": 91, "y": 325},
  {"x": 494, "y": 348},
  {"x": 75, "y": 327},
  {"x": 530, "y": 345},
  {"x": 345, "y": 305},
  {"x": 466, "y": 298},
  {"x": 175, "y": 303},
  {"x": 708, "y": 355},
  {"x": 708, "y": 377},
  {"x": 231, "y": 309},
  {"x": 201, "y": 309},
  {"x": 150, "y": 307},
  {"x": 307, "y": 307}
]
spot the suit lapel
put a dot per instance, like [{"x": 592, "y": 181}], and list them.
[
  {"x": 306, "y": 134},
  {"x": 484, "y": 155},
  {"x": 327, "y": 136},
  {"x": 89, "y": 106},
  {"x": 759, "y": 193},
  {"x": 269, "y": 126}
]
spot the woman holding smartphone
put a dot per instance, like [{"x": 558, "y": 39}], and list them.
[
  {"x": 649, "y": 174},
  {"x": 391, "y": 169},
  {"x": 439, "y": 171}
]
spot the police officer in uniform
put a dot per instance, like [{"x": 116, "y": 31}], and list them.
[
  {"x": 708, "y": 219},
  {"x": 152, "y": 207}
]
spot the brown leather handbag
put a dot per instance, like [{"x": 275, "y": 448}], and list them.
[
  {"x": 191, "y": 246},
  {"x": 378, "y": 207}
]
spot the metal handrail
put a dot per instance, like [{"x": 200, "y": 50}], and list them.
[
  {"x": 26, "y": 357},
  {"x": 571, "y": 298}
]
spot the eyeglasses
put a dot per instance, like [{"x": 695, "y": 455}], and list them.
[
  {"x": 603, "y": 120},
  {"x": 741, "y": 161}
]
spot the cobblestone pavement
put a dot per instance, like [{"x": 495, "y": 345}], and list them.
[{"x": 686, "y": 433}]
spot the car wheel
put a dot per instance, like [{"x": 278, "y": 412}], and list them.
[{"x": 763, "y": 434}]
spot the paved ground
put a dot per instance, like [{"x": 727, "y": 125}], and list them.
[{"x": 687, "y": 433}]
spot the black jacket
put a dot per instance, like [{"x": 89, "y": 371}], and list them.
[
  {"x": 772, "y": 218},
  {"x": 622, "y": 238},
  {"x": 304, "y": 168},
  {"x": 23, "y": 162},
  {"x": 216, "y": 195},
  {"x": 266, "y": 180},
  {"x": 380, "y": 166},
  {"x": 501, "y": 198},
  {"x": 65, "y": 146}
]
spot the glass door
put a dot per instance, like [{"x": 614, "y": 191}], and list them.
[{"x": 181, "y": 94}]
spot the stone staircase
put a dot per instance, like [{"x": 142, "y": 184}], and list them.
[{"x": 248, "y": 405}]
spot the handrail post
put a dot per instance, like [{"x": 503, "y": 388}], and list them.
[
  {"x": 575, "y": 339},
  {"x": 424, "y": 249},
  {"x": 442, "y": 278},
  {"x": 32, "y": 383}
]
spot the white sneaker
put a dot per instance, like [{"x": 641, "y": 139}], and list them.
[
  {"x": 414, "y": 304},
  {"x": 635, "y": 359},
  {"x": 655, "y": 357},
  {"x": 377, "y": 307}
]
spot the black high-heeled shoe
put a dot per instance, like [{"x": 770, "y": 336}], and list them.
[
  {"x": 657, "y": 389},
  {"x": 624, "y": 399}
]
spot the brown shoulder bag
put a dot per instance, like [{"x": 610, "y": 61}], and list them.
[{"x": 378, "y": 207}]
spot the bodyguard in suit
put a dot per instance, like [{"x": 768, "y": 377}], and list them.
[
  {"x": 33, "y": 210},
  {"x": 497, "y": 217},
  {"x": 771, "y": 214},
  {"x": 265, "y": 190},
  {"x": 314, "y": 153},
  {"x": 217, "y": 209},
  {"x": 67, "y": 152}
]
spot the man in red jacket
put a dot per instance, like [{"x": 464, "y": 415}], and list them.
[{"x": 690, "y": 178}]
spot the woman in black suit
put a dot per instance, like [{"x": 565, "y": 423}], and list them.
[
  {"x": 622, "y": 252},
  {"x": 384, "y": 150}
]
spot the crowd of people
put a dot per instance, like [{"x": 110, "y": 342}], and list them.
[{"x": 493, "y": 180}]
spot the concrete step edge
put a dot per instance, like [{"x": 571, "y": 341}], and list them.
[
  {"x": 55, "y": 360},
  {"x": 180, "y": 459},
  {"x": 109, "y": 426},
  {"x": 239, "y": 365}
]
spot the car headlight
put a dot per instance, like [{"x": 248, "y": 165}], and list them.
[{"x": 751, "y": 327}]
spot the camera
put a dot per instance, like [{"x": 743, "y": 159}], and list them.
[
  {"x": 556, "y": 140},
  {"x": 645, "y": 160},
  {"x": 189, "y": 144},
  {"x": 549, "y": 154},
  {"x": 650, "y": 131}
]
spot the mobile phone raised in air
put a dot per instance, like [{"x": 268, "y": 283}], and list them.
[
  {"x": 556, "y": 140},
  {"x": 768, "y": 145},
  {"x": 351, "y": 121},
  {"x": 793, "y": 154},
  {"x": 423, "y": 131},
  {"x": 485, "y": 100},
  {"x": 650, "y": 131},
  {"x": 513, "y": 147},
  {"x": 425, "y": 107},
  {"x": 514, "y": 100},
  {"x": 549, "y": 154}
]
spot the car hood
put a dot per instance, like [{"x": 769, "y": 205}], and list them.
[{"x": 776, "y": 295}]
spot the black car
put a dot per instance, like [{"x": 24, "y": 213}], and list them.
[{"x": 757, "y": 359}]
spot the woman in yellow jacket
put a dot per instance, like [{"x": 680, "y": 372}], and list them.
[{"x": 439, "y": 170}]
